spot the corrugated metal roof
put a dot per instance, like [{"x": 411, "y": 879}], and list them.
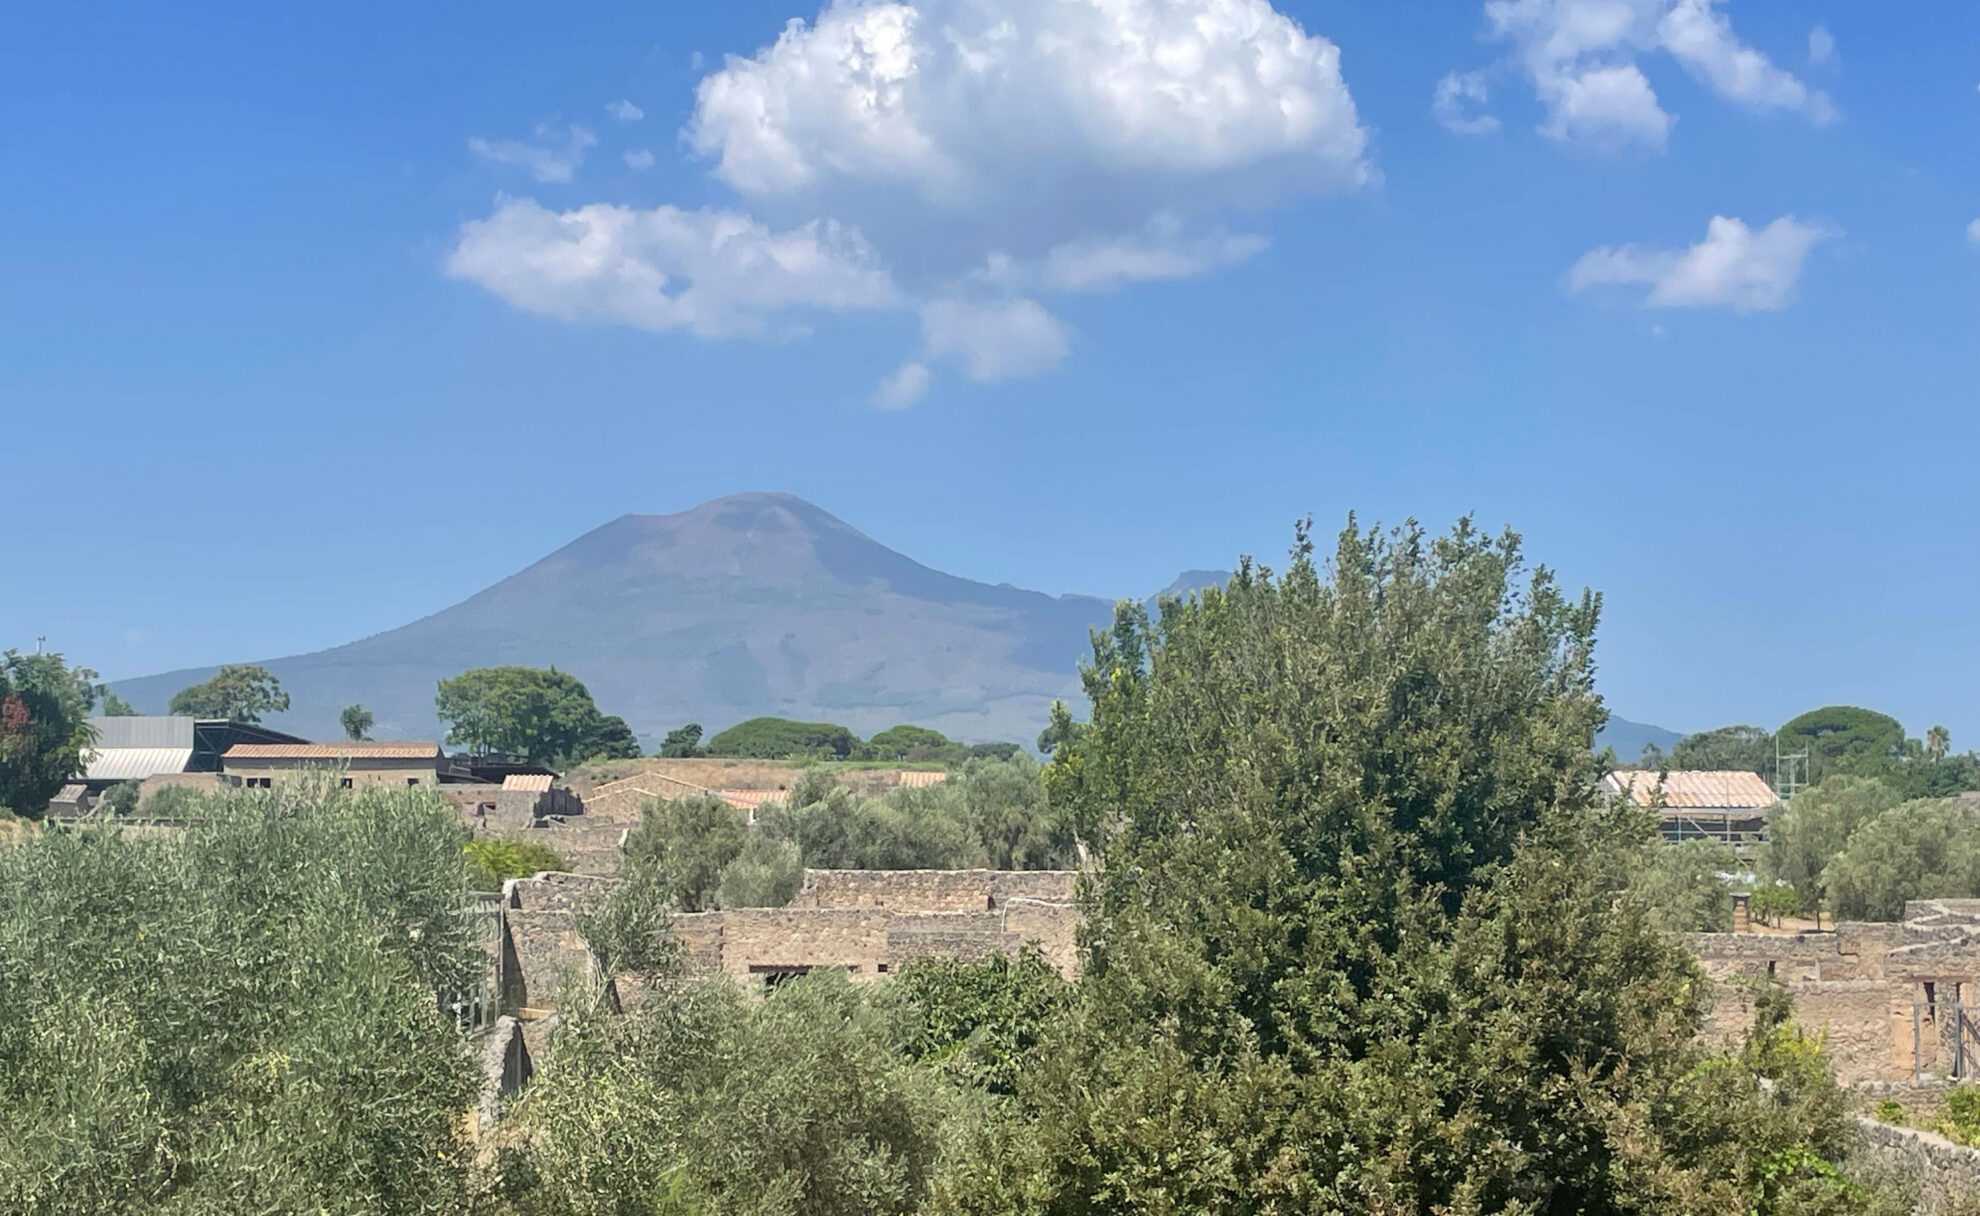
[
  {"x": 136, "y": 763},
  {"x": 1726, "y": 789},
  {"x": 334, "y": 751},
  {"x": 528, "y": 783},
  {"x": 143, "y": 732}
]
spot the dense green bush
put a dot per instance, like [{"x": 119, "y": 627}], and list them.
[
  {"x": 978, "y": 1021},
  {"x": 493, "y": 860},
  {"x": 684, "y": 844},
  {"x": 241, "y": 1016},
  {"x": 1915, "y": 850},
  {"x": 766, "y": 873},
  {"x": 1804, "y": 836},
  {"x": 699, "y": 1099},
  {"x": 1681, "y": 887}
]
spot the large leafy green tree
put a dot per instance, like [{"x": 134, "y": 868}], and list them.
[
  {"x": 1750, "y": 748},
  {"x": 1844, "y": 739},
  {"x": 1804, "y": 835},
  {"x": 781, "y": 738},
  {"x": 44, "y": 730},
  {"x": 239, "y": 693},
  {"x": 1361, "y": 943},
  {"x": 357, "y": 722},
  {"x": 543, "y": 716},
  {"x": 1926, "y": 849},
  {"x": 243, "y": 1015},
  {"x": 682, "y": 742}
]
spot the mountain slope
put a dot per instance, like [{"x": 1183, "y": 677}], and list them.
[
  {"x": 752, "y": 604},
  {"x": 1629, "y": 738},
  {"x": 747, "y": 605}
]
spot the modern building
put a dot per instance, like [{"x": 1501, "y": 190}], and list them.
[
  {"x": 137, "y": 748},
  {"x": 1729, "y": 806},
  {"x": 262, "y": 765}
]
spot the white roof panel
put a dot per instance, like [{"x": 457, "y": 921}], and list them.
[{"x": 136, "y": 763}]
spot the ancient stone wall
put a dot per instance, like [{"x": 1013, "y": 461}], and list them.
[
  {"x": 932, "y": 890},
  {"x": 1943, "y": 1169}
]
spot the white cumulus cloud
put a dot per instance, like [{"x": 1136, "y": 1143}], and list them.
[
  {"x": 547, "y": 159},
  {"x": 625, "y": 111},
  {"x": 906, "y": 385},
  {"x": 1734, "y": 267},
  {"x": 969, "y": 155},
  {"x": 1581, "y": 57},
  {"x": 1023, "y": 124},
  {"x": 1001, "y": 340},
  {"x": 712, "y": 273},
  {"x": 1458, "y": 103}
]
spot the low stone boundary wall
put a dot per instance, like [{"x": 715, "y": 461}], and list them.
[{"x": 1943, "y": 1169}]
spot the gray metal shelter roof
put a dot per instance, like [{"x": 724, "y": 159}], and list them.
[{"x": 142, "y": 732}]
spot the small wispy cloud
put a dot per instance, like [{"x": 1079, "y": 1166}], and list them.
[
  {"x": 1973, "y": 232},
  {"x": 542, "y": 160},
  {"x": 907, "y": 385},
  {"x": 1459, "y": 102},
  {"x": 1821, "y": 46},
  {"x": 625, "y": 111},
  {"x": 1734, "y": 267},
  {"x": 639, "y": 160}
]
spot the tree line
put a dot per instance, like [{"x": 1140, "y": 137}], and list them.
[{"x": 1838, "y": 740}]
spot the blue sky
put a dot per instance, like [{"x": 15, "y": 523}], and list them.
[{"x": 316, "y": 320}]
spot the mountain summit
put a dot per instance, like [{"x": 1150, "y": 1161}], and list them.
[{"x": 746, "y": 605}]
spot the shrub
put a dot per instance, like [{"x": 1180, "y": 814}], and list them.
[
  {"x": 239, "y": 1016},
  {"x": 767, "y": 873},
  {"x": 683, "y": 845},
  {"x": 1892, "y": 1112},
  {"x": 1915, "y": 850},
  {"x": 491, "y": 861}
]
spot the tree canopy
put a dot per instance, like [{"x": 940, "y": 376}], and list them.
[
  {"x": 1359, "y": 937},
  {"x": 238, "y": 693},
  {"x": 1748, "y": 748},
  {"x": 1804, "y": 835},
  {"x": 1925, "y": 849},
  {"x": 44, "y": 730},
  {"x": 536, "y": 715},
  {"x": 682, "y": 742},
  {"x": 216, "y": 1020},
  {"x": 782, "y": 738},
  {"x": 357, "y": 722},
  {"x": 1843, "y": 738}
]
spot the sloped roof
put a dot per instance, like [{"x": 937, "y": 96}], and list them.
[
  {"x": 528, "y": 783},
  {"x": 746, "y": 800},
  {"x": 367, "y": 750},
  {"x": 1727, "y": 789},
  {"x": 136, "y": 763},
  {"x": 153, "y": 731},
  {"x": 914, "y": 778}
]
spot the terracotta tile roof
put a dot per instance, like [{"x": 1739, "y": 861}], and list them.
[
  {"x": 746, "y": 800},
  {"x": 528, "y": 783},
  {"x": 1730, "y": 789},
  {"x": 367, "y": 750},
  {"x": 914, "y": 778}
]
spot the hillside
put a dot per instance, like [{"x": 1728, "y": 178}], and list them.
[{"x": 746, "y": 605}]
